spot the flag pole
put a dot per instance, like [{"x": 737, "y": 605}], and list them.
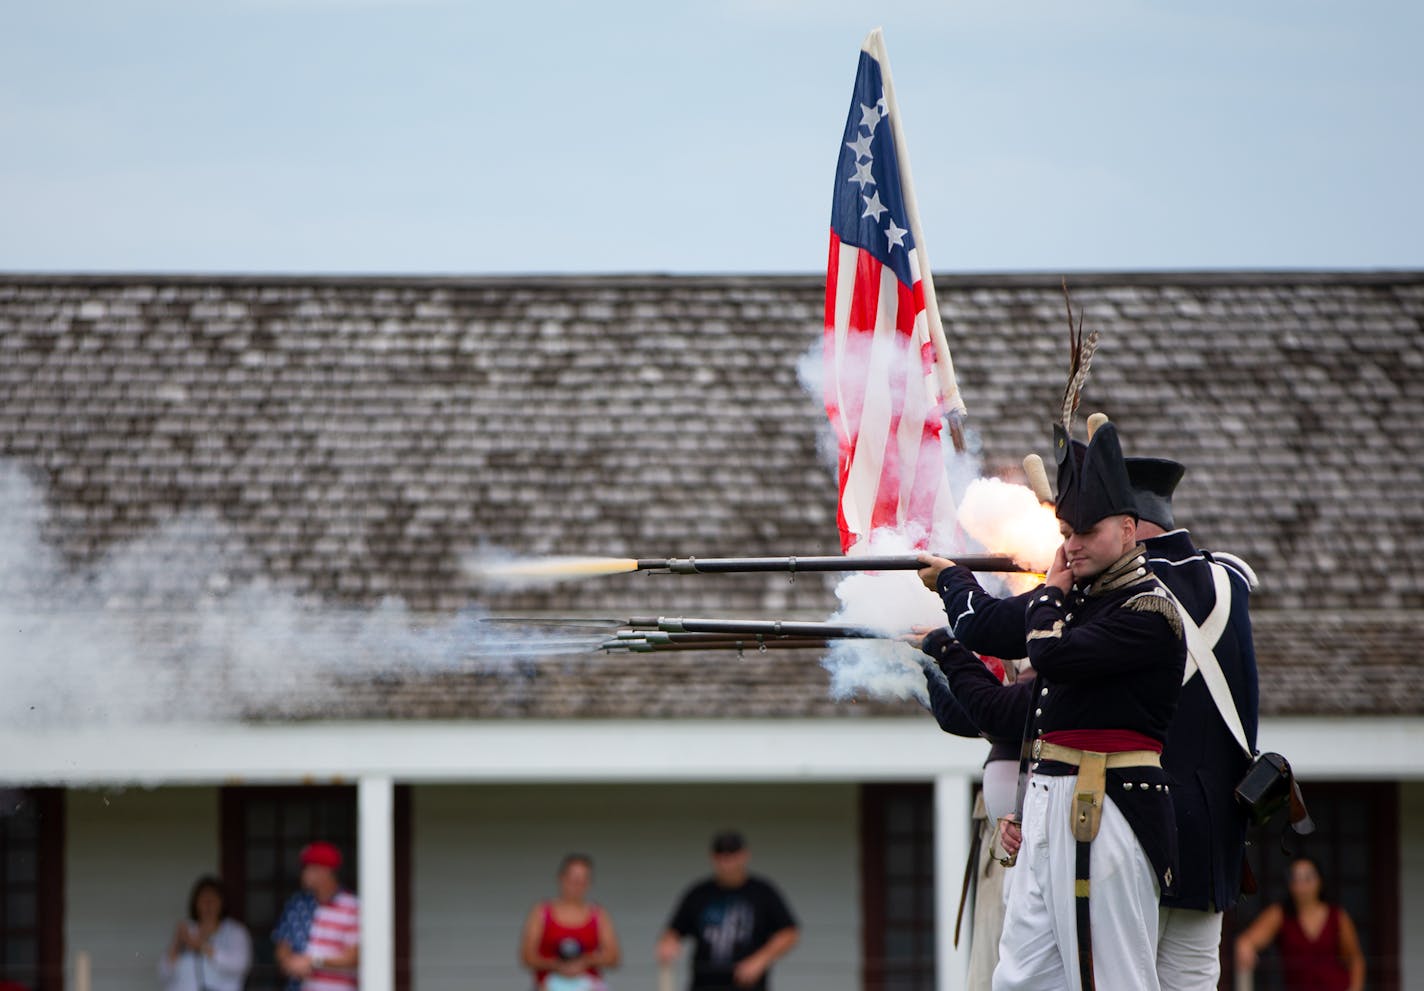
[{"x": 874, "y": 45}]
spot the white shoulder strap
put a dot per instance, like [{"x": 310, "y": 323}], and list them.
[
  {"x": 1239, "y": 566},
  {"x": 1201, "y": 653}
]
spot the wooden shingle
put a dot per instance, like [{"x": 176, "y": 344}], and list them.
[{"x": 357, "y": 437}]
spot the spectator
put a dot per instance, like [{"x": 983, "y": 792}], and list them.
[
  {"x": 1320, "y": 950},
  {"x": 569, "y": 941},
  {"x": 740, "y": 923},
  {"x": 210, "y": 950},
  {"x": 319, "y": 934}
]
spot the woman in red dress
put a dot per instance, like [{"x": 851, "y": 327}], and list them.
[
  {"x": 1320, "y": 950},
  {"x": 569, "y": 941}
]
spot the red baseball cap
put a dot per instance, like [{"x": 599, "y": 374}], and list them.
[{"x": 322, "y": 854}]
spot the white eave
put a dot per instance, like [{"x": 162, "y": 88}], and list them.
[{"x": 652, "y": 751}]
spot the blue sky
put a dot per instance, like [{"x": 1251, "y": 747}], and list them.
[{"x": 445, "y": 136}]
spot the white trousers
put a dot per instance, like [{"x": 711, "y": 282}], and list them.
[
  {"x": 1039, "y": 948},
  {"x": 1188, "y": 949}
]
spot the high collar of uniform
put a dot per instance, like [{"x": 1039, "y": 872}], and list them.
[
  {"x": 1130, "y": 569},
  {"x": 1174, "y": 545}
]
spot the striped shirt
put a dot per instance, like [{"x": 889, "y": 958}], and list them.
[{"x": 323, "y": 930}]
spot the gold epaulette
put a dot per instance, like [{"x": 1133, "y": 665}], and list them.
[{"x": 1155, "y": 600}]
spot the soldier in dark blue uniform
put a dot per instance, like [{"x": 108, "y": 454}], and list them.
[
  {"x": 1202, "y": 756},
  {"x": 1105, "y": 640}
]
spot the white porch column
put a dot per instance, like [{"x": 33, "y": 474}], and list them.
[
  {"x": 951, "y": 839},
  {"x": 375, "y": 829}
]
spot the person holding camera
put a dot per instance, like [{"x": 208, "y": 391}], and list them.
[{"x": 568, "y": 941}]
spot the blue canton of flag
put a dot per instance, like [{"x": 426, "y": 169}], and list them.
[{"x": 868, "y": 210}]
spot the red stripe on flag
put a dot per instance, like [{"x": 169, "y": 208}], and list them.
[
  {"x": 828, "y": 349},
  {"x": 907, "y": 307},
  {"x": 929, "y": 471},
  {"x": 888, "y": 494},
  {"x": 855, "y": 364},
  {"x": 848, "y": 535}
]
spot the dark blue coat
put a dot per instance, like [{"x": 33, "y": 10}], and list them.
[
  {"x": 1201, "y": 756},
  {"x": 1106, "y": 659},
  {"x": 954, "y": 720}
]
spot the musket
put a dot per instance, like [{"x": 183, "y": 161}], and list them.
[
  {"x": 793, "y": 565},
  {"x": 755, "y": 628},
  {"x": 643, "y": 634},
  {"x": 711, "y": 641},
  {"x": 538, "y": 570}
]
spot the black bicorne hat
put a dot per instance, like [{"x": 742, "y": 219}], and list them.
[
  {"x": 1095, "y": 487},
  {"x": 1153, "y": 482}
]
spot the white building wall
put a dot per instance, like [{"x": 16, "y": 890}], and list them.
[
  {"x": 131, "y": 857},
  {"x": 1411, "y": 885},
  {"x": 483, "y": 855}
]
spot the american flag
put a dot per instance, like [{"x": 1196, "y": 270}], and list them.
[{"x": 888, "y": 377}]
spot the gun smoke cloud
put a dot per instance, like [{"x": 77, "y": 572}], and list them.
[
  {"x": 157, "y": 630},
  {"x": 991, "y": 515}
]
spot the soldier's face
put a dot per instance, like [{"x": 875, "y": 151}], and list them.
[{"x": 1090, "y": 552}]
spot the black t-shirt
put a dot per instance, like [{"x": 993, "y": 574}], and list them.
[{"x": 729, "y": 924}]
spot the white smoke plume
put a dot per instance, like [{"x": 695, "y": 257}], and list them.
[
  {"x": 991, "y": 516},
  {"x": 890, "y": 602},
  {"x": 157, "y": 630}
]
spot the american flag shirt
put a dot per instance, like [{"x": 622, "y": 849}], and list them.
[{"x": 324, "y": 930}]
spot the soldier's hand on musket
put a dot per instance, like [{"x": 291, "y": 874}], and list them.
[
  {"x": 916, "y": 637},
  {"x": 929, "y": 574}
]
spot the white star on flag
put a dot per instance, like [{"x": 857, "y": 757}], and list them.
[
  {"x": 870, "y": 116},
  {"x": 862, "y": 175},
  {"x": 895, "y": 234},
  {"x": 861, "y": 147},
  {"x": 873, "y": 207}
]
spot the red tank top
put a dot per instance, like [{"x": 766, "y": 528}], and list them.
[
  {"x": 1313, "y": 964},
  {"x": 555, "y": 933}
]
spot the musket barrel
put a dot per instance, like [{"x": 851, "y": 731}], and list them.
[
  {"x": 752, "y": 644},
  {"x": 792, "y": 565},
  {"x": 762, "y": 627}
]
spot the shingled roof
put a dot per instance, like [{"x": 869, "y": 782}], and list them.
[{"x": 352, "y": 439}]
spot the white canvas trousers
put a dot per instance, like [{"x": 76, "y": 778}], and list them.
[
  {"x": 1188, "y": 949},
  {"x": 1039, "y": 948}
]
